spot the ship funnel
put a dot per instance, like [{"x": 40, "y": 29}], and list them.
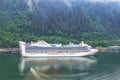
[{"x": 82, "y": 43}]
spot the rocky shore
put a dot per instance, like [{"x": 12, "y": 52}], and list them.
[
  {"x": 10, "y": 50},
  {"x": 101, "y": 49},
  {"x": 109, "y": 49}
]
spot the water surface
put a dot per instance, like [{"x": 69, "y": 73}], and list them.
[{"x": 102, "y": 66}]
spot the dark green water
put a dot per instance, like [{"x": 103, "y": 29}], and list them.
[{"x": 102, "y": 66}]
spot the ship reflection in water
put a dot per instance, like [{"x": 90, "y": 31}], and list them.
[{"x": 56, "y": 68}]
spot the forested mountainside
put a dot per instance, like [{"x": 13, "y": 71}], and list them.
[{"x": 58, "y": 21}]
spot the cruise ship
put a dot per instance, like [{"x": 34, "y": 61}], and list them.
[{"x": 44, "y": 49}]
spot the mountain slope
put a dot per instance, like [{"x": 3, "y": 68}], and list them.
[
  {"x": 70, "y": 19},
  {"x": 83, "y": 18}
]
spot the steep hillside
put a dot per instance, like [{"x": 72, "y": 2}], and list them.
[
  {"x": 78, "y": 20},
  {"x": 57, "y": 21}
]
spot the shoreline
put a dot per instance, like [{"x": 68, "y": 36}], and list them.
[
  {"x": 103, "y": 49},
  {"x": 9, "y": 50},
  {"x": 17, "y": 50}
]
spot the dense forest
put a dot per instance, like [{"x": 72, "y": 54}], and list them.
[{"x": 59, "y": 21}]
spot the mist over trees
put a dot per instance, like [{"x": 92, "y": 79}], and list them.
[{"x": 57, "y": 21}]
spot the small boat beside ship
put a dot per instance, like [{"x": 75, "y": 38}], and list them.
[{"x": 44, "y": 49}]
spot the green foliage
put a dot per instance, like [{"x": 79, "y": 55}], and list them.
[
  {"x": 96, "y": 24},
  {"x": 104, "y": 43}
]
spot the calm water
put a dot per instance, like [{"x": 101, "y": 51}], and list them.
[{"x": 102, "y": 66}]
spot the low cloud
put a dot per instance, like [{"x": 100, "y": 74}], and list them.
[
  {"x": 104, "y": 0},
  {"x": 68, "y": 3},
  {"x": 30, "y": 3}
]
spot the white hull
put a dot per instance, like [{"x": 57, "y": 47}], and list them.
[{"x": 79, "y": 54}]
